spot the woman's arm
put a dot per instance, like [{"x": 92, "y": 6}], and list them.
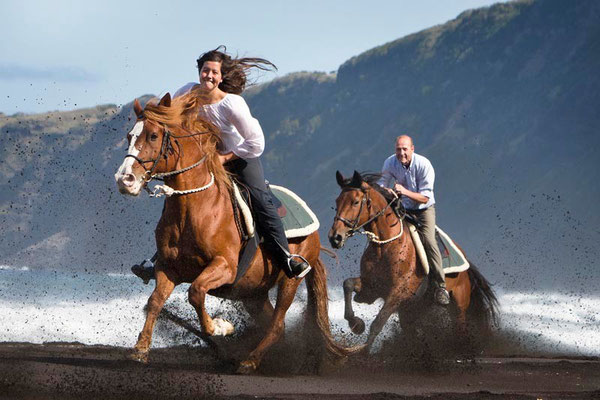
[{"x": 248, "y": 127}]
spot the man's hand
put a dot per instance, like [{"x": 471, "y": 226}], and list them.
[
  {"x": 418, "y": 197},
  {"x": 401, "y": 190}
]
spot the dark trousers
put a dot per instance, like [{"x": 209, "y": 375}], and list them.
[{"x": 250, "y": 173}]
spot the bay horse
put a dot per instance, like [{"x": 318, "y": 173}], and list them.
[
  {"x": 389, "y": 267},
  {"x": 197, "y": 239}
]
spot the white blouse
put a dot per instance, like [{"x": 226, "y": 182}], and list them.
[{"x": 240, "y": 131}]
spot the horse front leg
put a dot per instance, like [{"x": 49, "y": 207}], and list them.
[
  {"x": 390, "y": 305},
  {"x": 216, "y": 274},
  {"x": 285, "y": 296},
  {"x": 163, "y": 289},
  {"x": 352, "y": 285}
]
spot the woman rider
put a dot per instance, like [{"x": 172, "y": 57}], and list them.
[{"x": 222, "y": 80}]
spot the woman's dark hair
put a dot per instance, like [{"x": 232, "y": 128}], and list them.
[{"x": 234, "y": 70}]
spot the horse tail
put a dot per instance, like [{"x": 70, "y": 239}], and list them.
[
  {"x": 483, "y": 309},
  {"x": 329, "y": 252},
  {"x": 316, "y": 285}
]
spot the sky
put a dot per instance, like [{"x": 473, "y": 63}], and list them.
[{"x": 69, "y": 54}]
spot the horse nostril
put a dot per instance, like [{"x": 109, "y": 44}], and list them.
[
  {"x": 128, "y": 179},
  {"x": 336, "y": 240}
]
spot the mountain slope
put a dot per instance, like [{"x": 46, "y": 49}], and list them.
[{"x": 503, "y": 100}]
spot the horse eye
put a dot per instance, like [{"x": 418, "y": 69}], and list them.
[{"x": 153, "y": 137}]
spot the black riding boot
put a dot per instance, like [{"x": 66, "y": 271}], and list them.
[
  {"x": 441, "y": 295},
  {"x": 294, "y": 266},
  {"x": 145, "y": 270}
]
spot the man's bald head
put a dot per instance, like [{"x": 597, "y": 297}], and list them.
[
  {"x": 404, "y": 138},
  {"x": 404, "y": 149}
]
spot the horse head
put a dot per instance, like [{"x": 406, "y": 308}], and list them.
[
  {"x": 149, "y": 147},
  {"x": 352, "y": 208}
]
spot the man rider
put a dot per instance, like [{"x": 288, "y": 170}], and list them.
[{"x": 411, "y": 175}]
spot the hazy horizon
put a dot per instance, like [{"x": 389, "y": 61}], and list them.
[{"x": 67, "y": 55}]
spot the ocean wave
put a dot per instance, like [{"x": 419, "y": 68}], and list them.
[{"x": 41, "y": 307}]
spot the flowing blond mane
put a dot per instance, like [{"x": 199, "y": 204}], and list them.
[{"x": 182, "y": 115}]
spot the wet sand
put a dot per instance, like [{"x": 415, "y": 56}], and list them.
[{"x": 76, "y": 371}]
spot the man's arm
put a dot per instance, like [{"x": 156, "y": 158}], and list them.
[
  {"x": 418, "y": 197},
  {"x": 425, "y": 179}
]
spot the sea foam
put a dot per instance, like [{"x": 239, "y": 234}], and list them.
[{"x": 42, "y": 307}]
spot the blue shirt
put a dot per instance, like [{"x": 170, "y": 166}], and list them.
[{"x": 418, "y": 177}]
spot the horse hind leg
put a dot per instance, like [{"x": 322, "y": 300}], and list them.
[
  {"x": 352, "y": 285},
  {"x": 261, "y": 310},
  {"x": 285, "y": 296},
  {"x": 461, "y": 293},
  {"x": 162, "y": 291}
]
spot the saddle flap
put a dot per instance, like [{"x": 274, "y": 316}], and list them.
[
  {"x": 453, "y": 260},
  {"x": 242, "y": 203},
  {"x": 281, "y": 210},
  {"x": 299, "y": 220}
]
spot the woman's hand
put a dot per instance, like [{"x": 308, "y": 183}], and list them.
[{"x": 225, "y": 158}]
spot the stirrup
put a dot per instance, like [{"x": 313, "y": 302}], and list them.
[{"x": 302, "y": 273}]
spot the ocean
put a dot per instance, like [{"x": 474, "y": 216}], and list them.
[{"x": 107, "y": 309}]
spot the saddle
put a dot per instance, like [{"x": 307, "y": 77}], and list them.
[
  {"x": 453, "y": 260},
  {"x": 297, "y": 218}
]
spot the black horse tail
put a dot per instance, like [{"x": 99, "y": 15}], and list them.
[{"x": 483, "y": 310}]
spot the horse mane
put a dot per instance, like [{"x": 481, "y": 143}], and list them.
[
  {"x": 371, "y": 179},
  {"x": 183, "y": 114}
]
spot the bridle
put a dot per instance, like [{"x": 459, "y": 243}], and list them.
[
  {"x": 353, "y": 224},
  {"x": 166, "y": 147}
]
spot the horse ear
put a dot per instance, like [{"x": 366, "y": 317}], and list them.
[
  {"x": 356, "y": 180},
  {"x": 137, "y": 108},
  {"x": 166, "y": 100},
  {"x": 340, "y": 178}
]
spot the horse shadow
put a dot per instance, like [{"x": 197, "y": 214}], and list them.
[{"x": 220, "y": 354}]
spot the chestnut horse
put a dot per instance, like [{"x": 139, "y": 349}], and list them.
[
  {"x": 197, "y": 238},
  {"x": 389, "y": 268}
]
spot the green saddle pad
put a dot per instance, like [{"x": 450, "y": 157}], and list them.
[
  {"x": 299, "y": 220},
  {"x": 453, "y": 260}
]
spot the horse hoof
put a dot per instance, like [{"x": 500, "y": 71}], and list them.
[
  {"x": 247, "y": 367},
  {"x": 139, "y": 356},
  {"x": 357, "y": 326},
  {"x": 222, "y": 327}
]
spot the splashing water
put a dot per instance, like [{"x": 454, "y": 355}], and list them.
[{"x": 50, "y": 306}]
